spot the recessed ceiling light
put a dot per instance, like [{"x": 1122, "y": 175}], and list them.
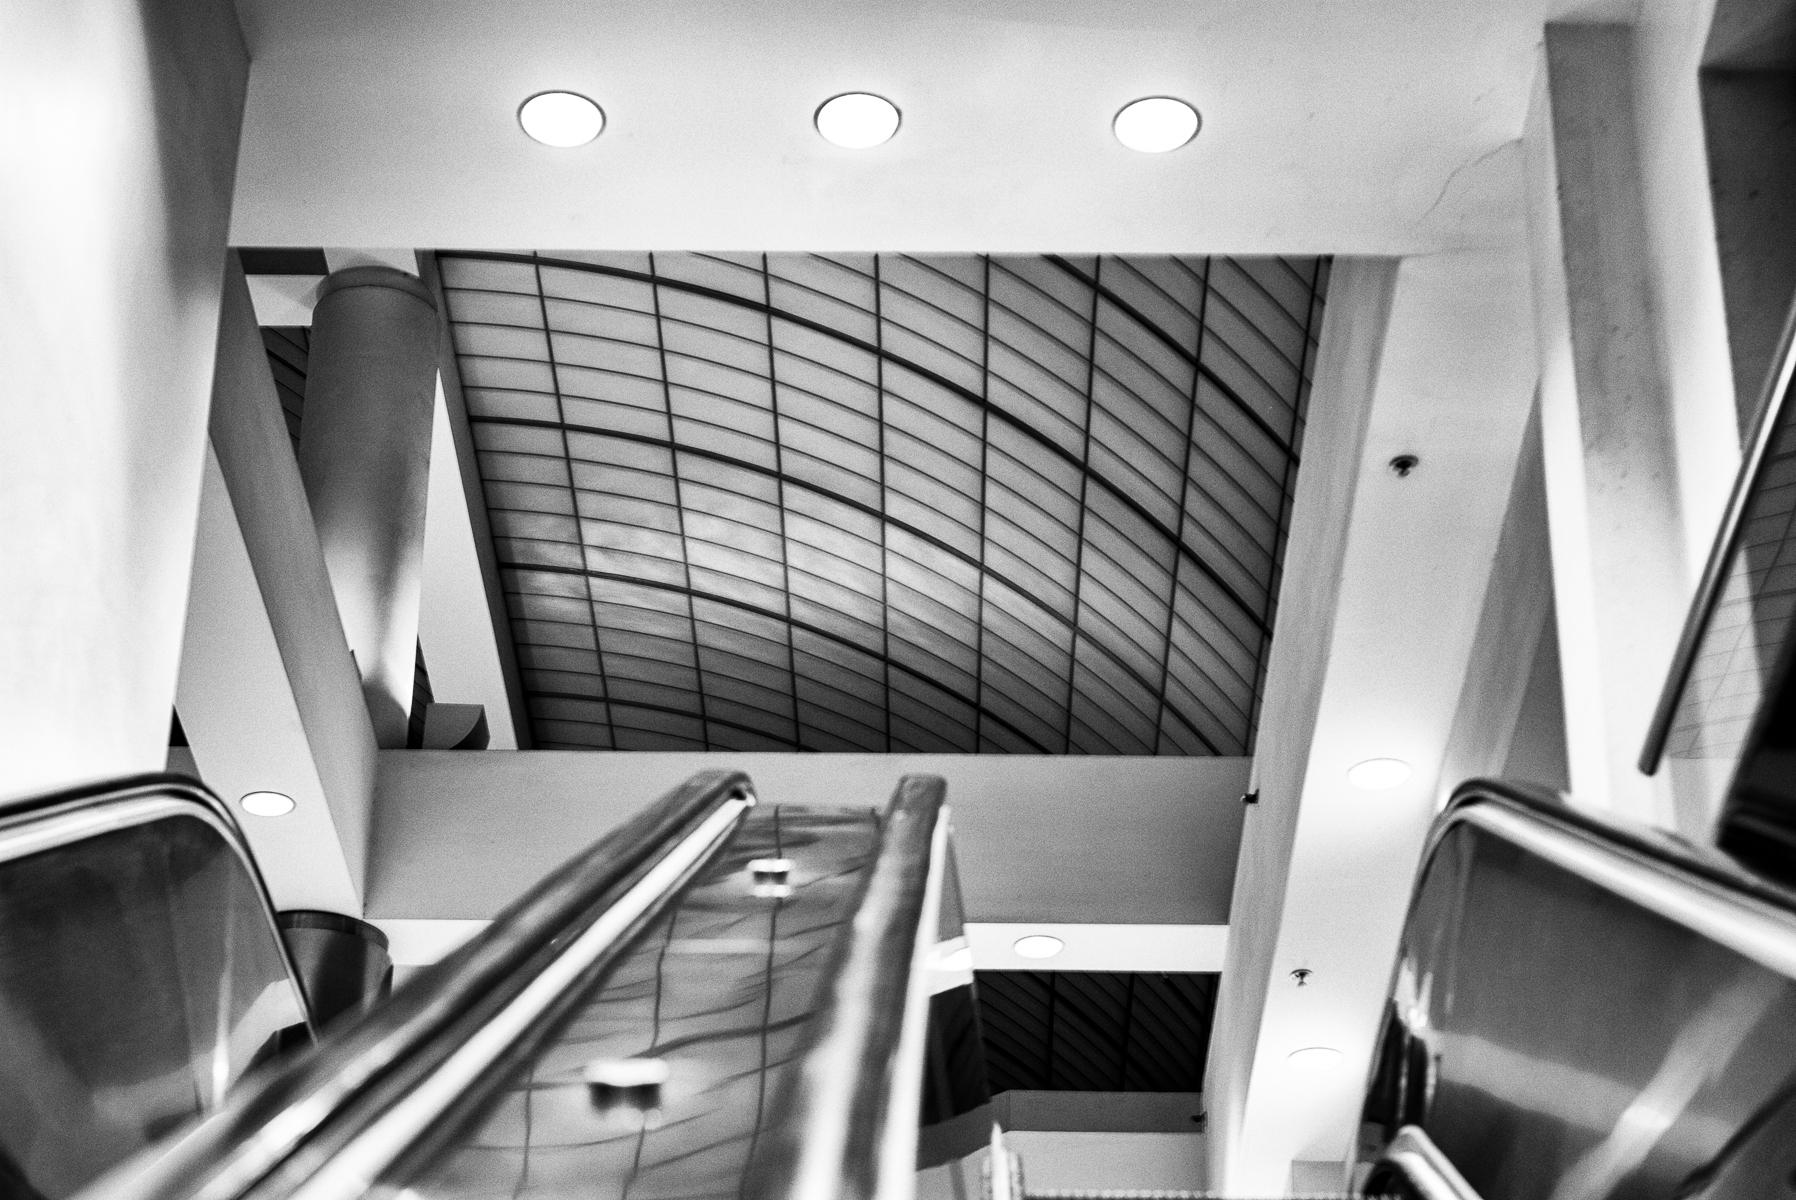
[
  {"x": 1377, "y": 774},
  {"x": 267, "y": 804},
  {"x": 857, "y": 120},
  {"x": 561, "y": 119},
  {"x": 1038, "y": 945},
  {"x": 1314, "y": 1058},
  {"x": 1156, "y": 124}
]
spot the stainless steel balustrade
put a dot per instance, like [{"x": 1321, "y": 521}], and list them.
[
  {"x": 141, "y": 975},
  {"x": 849, "y": 1124},
  {"x": 1581, "y": 1008},
  {"x": 327, "y": 1126}
]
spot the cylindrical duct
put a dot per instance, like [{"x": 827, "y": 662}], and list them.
[
  {"x": 343, "y": 963},
  {"x": 364, "y": 454}
]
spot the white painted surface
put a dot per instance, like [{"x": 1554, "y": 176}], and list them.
[
  {"x": 1684, "y": 272},
  {"x": 1620, "y": 581},
  {"x": 1102, "y": 947},
  {"x": 284, "y": 299},
  {"x": 1454, "y": 383},
  {"x": 417, "y": 941},
  {"x": 243, "y": 721},
  {"x": 1328, "y": 127},
  {"x": 455, "y": 626},
  {"x": 268, "y": 694},
  {"x": 459, "y": 834},
  {"x": 1063, "y": 1161},
  {"x": 119, "y": 140}
]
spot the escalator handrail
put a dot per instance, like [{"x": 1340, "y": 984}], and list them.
[
  {"x": 263, "y": 1128},
  {"x": 1715, "y": 571},
  {"x": 1692, "y": 886},
  {"x": 847, "y": 1119},
  {"x": 1423, "y": 1165}
]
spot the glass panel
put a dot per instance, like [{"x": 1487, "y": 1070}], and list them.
[{"x": 139, "y": 979}]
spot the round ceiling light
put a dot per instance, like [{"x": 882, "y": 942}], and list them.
[
  {"x": 1377, "y": 774},
  {"x": 1038, "y": 945},
  {"x": 857, "y": 120},
  {"x": 267, "y": 804},
  {"x": 561, "y": 119},
  {"x": 1156, "y": 124}
]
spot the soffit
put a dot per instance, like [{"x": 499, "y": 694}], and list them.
[{"x": 1370, "y": 127}]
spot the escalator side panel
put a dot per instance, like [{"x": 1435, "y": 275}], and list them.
[
  {"x": 1549, "y": 1034},
  {"x": 140, "y": 978}
]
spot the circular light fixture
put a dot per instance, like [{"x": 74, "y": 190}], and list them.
[
  {"x": 267, "y": 804},
  {"x": 1156, "y": 124},
  {"x": 1038, "y": 945},
  {"x": 1314, "y": 1059},
  {"x": 562, "y": 119},
  {"x": 857, "y": 120},
  {"x": 1378, "y": 774}
]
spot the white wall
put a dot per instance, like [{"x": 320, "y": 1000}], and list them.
[{"x": 118, "y": 130}]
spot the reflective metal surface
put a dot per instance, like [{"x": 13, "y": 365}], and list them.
[
  {"x": 720, "y": 988},
  {"x": 1579, "y": 1014},
  {"x": 141, "y": 976},
  {"x": 846, "y": 1123},
  {"x": 393, "y": 1066}
]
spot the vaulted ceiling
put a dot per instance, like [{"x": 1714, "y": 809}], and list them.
[{"x": 888, "y": 502}]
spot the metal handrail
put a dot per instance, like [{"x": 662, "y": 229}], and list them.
[
  {"x": 847, "y": 1124},
  {"x": 1727, "y": 541},
  {"x": 1688, "y": 885},
  {"x": 419, "y": 1053},
  {"x": 1414, "y": 1154}
]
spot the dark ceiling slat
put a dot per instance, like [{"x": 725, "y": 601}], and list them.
[{"x": 1095, "y": 1031}]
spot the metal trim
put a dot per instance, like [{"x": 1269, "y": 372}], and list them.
[
  {"x": 1748, "y": 926},
  {"x": 848, "y": 1129},
  {"x": 1414, "y": 1153}
]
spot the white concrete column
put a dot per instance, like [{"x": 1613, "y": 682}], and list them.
[
  {"x": 1378, "y": 614},
  {"x": 364, "y": 454},
  {"x": 118, "y": 131},
  {"x": 1607, "y": 421}
]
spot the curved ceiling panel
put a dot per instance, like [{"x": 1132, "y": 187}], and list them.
[{"x": 954, "y": 503}]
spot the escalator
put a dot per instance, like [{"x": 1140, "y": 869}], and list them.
[
  {"x": 720, "y": 997},
  {"x": 725, "y": 998}
]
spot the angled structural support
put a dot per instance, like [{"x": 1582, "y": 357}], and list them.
[{"x": 269, "y": 696}]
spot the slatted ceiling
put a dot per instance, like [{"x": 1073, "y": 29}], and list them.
[
  {"x": 1095, "y": 1031},
  {"x": 889, "y": 502},
  {"x": 289, "y": 352}
]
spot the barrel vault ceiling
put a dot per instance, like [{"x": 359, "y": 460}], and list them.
[{"x": 887, "y": 502}]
